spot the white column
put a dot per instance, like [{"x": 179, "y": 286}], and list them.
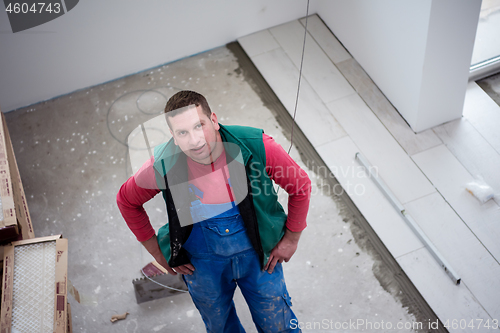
[{"x": 417, "y": 52}]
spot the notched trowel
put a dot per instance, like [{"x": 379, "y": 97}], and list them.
[{"x": 157, "y": 283}]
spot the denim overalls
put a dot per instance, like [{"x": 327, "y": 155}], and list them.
[{"x": 223, "y": 257}]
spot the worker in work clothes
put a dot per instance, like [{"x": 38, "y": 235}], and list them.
[{"x": 225, "y": 225}]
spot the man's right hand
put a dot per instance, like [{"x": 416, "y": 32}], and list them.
[
  {"x": 154, "y": 249},
  {"x": 162, "y": 261},
  {"x": 183, "y": 269}
]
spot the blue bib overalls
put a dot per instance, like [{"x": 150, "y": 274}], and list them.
[{"x": 223, "y": 257}]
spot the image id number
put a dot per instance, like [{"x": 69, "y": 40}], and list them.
[
  {"x": 472, "y": 324},
  {"x": 36, "y": 8}
]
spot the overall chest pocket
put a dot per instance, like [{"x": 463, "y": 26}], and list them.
[{"x": 227, "y": 236}]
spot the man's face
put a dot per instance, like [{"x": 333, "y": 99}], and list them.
[{"x": 195, "y": 133}]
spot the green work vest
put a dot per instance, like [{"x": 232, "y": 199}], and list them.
[{"x": 269, "y": 213}]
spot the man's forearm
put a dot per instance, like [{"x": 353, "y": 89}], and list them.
[
  {"x": 292, "y": 236},
  {"x": 154, "y": 249}
]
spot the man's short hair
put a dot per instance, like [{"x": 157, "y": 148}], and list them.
[{"x": 178, "y": 103}]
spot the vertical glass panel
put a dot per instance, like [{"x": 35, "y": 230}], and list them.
[{"x": 487, "y": 44}]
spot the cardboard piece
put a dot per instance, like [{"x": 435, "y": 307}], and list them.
[
  {"x": 36, "y": 240},
  {"x": 20, "y": 202},
  {"x": 118, "y": 317},
  {"x": 73, "y": 291},
  {"x": 7, "y": 286},
  {"x": 61, "y": 269},
  {"x": 60, "y": 311},
  {"x": 8, "y": 226},
  {"x": 16, "y": 223},
  {"x": 7, "y": 289},
  {"x": 70, "y": 321}
]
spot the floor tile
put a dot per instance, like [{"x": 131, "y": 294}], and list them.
[
  {"x": 394, "y": 166},
  {"x": 450, "y": 177},
  {"x": 483, "y": 113},
  {"x": 411, "y": 142},
  {"x": 472, "y": 150},
  {"x": 258, "y": 43},
  {"x": 312, "y": 116},
  {"x": 325, "y": 39},
  {"x": 449, "y": 301},
  {"x": 339, "y": 156},
  {"x": 355, "y": 74},
  {"x": 318, "y": 69},
  {"x": 460, "y": 247}
]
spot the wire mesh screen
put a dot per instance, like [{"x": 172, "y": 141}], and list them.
[{"x": 33, "y": 288}]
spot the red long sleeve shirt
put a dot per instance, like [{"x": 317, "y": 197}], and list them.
[{"x": 280, "y": 167}]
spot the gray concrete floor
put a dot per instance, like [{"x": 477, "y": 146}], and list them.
[{"x": 73, "y": 157}]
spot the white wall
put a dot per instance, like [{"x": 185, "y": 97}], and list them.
[
  {"x": 98, "y": 41},
  {"x": 448, "y": 56},
  {"x": 417, "y": 52}
]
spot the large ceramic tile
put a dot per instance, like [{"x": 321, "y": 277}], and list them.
[
  {"x": 461, "y": 248},
  {"x": 483, "y": 113},
  {"x": 318, "y": 69},
  {"x": 449, "y": 301},
  {"x": 472, "y": 150},
  {"x": 355, "y": 74},
  {"x": 313, "y": 117},
  {"x": 449, "y": 177},
  {"x": 393, "y": 165},
  {"x": 325, "y": 39},
  {"x": 258, "y": 43},
  {"x": 411, "y": 142},
  {"x": 339, "y": 156}
]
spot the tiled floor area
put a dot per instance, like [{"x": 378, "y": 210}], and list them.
[{"x": 342, "y": 112}]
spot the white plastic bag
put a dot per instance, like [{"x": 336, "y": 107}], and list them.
[{"x": 482, "y": 191}]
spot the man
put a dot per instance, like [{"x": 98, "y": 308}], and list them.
[{"x": 225, "y": 226}]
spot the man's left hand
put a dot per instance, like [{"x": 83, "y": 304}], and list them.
[{"x": 284, "y": 250}]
